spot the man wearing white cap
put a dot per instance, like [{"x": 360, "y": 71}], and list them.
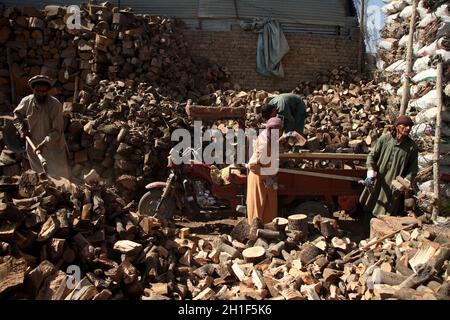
[{"x": 40, "y": 116}]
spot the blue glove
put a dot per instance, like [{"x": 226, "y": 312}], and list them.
[{"x": 369, "y": 182}]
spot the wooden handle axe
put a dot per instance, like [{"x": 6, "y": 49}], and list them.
[{"x": 37, "y": 153}]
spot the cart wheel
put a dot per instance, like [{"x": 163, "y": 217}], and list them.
[
  {"x": 147, "y": 205},
  {"x": 312, "y": 208}
]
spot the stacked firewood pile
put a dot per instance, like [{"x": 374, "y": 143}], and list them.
[
  {"x": 430, "y": 44},
  {"x": 124, "y": 133},
  {"x": 345, "y": 110},
  {"x": 123, "y": 130},
  {"x": 109, "y": 44},
  {"x": 59, "y": 241}
]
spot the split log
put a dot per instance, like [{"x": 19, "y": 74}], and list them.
[
  {"x": 238, "y": 272},
  {"x": 241, "y": 231},
  {"x": 54, "y": 287},
  {"x": 7, "y": 231},
  {"x": 442, "y": 254},
  {"x": 128, "y": 247},
  {"x": 83, "y": 291},
  {"x": 13, "y": 274},
  {"x": 424, "y": 273},
  {"x": 206, "y": 294},
  {"x": 205, "y": 270},
  {"x": 331, "y": 275},
  {"x": 258, "y": 279},
  {"x": 308, "y": 253}
]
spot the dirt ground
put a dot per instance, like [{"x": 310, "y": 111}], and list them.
[{"x": 211, "y": 224}]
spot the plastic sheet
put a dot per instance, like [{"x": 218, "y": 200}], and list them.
[
  {"x": 426, "y": 102},
  {"x": 422, "y": 64},
  {"x": 426, "y": 75},
  {"x": 397, "y": 66}
]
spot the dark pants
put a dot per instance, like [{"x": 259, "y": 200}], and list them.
[{"x": 300, "y": 116}]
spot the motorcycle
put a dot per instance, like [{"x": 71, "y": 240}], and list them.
[{"x": 190, "y": 187}]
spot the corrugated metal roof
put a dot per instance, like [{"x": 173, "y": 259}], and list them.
[
  {"x": 217, "y": 25},
  {"x": 39, "y": 4},
  {"x": 327, "y": 12},
  {"x": 216, "y": 9},
  {"x": 303, "y": 12},
  {"x": 170, "y": 8}
]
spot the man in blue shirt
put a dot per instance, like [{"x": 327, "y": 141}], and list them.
[{"x": 289, "y": 107}]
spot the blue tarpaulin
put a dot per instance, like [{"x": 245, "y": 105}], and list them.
[{"x": 271, "y": 47}]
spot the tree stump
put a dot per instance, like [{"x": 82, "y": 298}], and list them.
[{"x": 299, "y": 222}]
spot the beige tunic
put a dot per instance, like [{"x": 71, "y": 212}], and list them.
[
  {"x": 262, "y": 201},
  {"x": 45, "y": 120}
]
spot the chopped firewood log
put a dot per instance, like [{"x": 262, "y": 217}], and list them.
[
  {"x": 105, "y": 294},
  {"x": 13, "y": 274},
  {"x": 238, "y": 272},
  {"x": 310, "y": 291},
  {"x": 48, "y": 229},
  {"x": 258, "y": 279},
  {"x": 83, "y": 291},
  {"x": 223, "y": 247},
  {"x": 292, "y": 294},
  {"x": 308, "y": 253},
  {"x": 269, "y": 234},
  {"x": 426, "y": 251},
  {"x": 7, "y": 231},
  {"x": 442, "y": 254},
  {"x": 206, "y": 294},
  {"x": 423, "y": 273},
  {"x": 254, "y": 254},
  {"x": 280, "y": 224},
  {"x": 271, "y": 286},
  {"x": 275, "y": 249},
  {"x": 382, "y": 277},
  {"x": 241, "y": 231},
  {"x": 184, "y": 232},
  {"x": 128, "y": 247},
  {"x": 298, "y": 222},
  {"x": 54, "y": 287},
  {"x": 331, "y": 275}
]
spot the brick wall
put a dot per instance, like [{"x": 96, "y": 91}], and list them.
[{"x": 308, "y": 55}]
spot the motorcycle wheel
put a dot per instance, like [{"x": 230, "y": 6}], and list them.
[{"x": 147, "y": 205}]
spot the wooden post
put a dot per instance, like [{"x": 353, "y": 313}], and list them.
[
  {"x": 409, "y": 54},
  {"x": 437, "y": 140},
  {"x": 361, "y": 37}
]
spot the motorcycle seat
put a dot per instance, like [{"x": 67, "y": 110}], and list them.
[{"x": 238, "y": 178}]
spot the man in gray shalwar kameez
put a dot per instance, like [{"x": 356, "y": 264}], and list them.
[
  {"x": 40, "y": 116},
  {"x": 395, "y": 154}
]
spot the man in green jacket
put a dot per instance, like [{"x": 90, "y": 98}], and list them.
[
  {"x": 288, "y": 106},
  {"x": 395, "y": 154}
]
